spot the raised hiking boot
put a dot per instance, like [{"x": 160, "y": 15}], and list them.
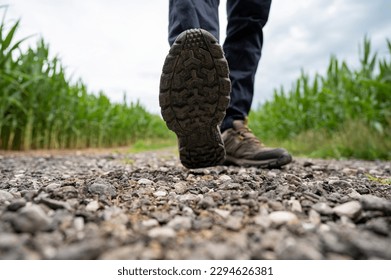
[
  {"x": 194, "y": 95},
  {"x": 244, "y": 149}
]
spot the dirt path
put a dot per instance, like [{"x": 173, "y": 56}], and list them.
[{"x": 77, "y": 205}]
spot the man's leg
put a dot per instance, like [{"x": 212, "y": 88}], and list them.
[
  {"x": 242, "y": 48},
  {"x": 188, "y": 14}
]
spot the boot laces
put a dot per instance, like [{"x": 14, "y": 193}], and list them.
[{"x": 246, "y": 135}]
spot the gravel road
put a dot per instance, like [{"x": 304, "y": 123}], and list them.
[{"x": 147, "y": 206}]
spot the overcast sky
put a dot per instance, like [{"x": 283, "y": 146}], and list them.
[{"x": 120, "y": 45}]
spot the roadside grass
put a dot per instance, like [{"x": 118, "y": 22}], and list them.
[
  {"x": 345, "y": 113},
  {"x": 152, "y": 144},
  {"x": 353, "y": 140}
]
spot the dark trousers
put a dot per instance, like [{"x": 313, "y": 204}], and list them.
[{"x": 242, "y": 46}]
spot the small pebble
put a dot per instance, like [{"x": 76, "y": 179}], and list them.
[
  {"x": 162, "y": 233},
  {"x": 145, "y": 181},
  {"x": 92, "y": 206},
  {"x": 5, "y": 196},
  {"x": 351, "y": 209},
  {"x": 278, "y": 218}
]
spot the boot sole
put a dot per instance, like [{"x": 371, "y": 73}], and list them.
[
  {"x": 269, "y": 163},
  {"x": 194, "y": 96}
]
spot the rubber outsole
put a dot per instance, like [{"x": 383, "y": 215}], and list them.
[
  {"x": 194, "y": 95},
  {"x": 269, "y": 163}
]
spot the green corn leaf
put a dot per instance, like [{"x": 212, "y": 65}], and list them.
[{"x": 7, "y": 41}]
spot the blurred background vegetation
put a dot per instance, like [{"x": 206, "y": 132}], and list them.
[
  {"x": 41, "y": 109},
  {"x": 342, "y": 113}
]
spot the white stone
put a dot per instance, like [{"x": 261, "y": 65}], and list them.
[
  {"x": 354, "y": 194},
  {"x": 180, "y": 222},
  {"x": 225, "y": 178},
  {"x": 314, "y": 217},
  {"x": 222, "y": 213},
  {"x": 93, "y": 206},
  {"x": 160, "y": 193},
  {"x": 282, "y": 217},
  {"x": 322, "y": 208},
  {"x": 53, "y": 186},
  {"x": 78, "y": 223},
  {"x": 189, "y": 197},
  {"x": 233, "y": 223},
  {"x": 309, "y": 226},
  {"x": 150, "y": 223},
  {"x": 162, "y": 233},
  {"x": 263, "y": 221},
  {"x": 295, "y": 206},
  {"x": 349, "y": 209},
  {"x": 144, "y": 181}
]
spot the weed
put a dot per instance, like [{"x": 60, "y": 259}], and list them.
[{"x": 382, "y": 181}]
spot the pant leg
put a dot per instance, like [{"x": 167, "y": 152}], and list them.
[
  {"x": 242, "y": 48},
  {"x": 187, "y": 14}
]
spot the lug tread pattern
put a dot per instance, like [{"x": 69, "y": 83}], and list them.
[{"x": 194, "y": 96}]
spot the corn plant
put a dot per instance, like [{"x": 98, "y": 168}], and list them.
[
  {"x": 41, "y": 108},
  {"x": 328, "y": 102}
]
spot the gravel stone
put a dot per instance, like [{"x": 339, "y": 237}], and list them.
[
  {"x": 295, "y": 206},
  {"x": 16, "y": 204},
  {"x": 102, "y": 188},
  {"x": 233, "y": 223},
  {"x": 78, "y": 223},
  {"x": 278, "y": 218},
  {"x": 293, "y": 179},
  {"x": 207, "y": 202},
  {"x": 189, "y": 198},
  {"x": 323, "y": 208},
  {"x": 314, "y": 217},
  {"x": 370, "y": 202},
  {"x": 89, "y": 249},
  {"x": 145, "y": 181},
  {"x": 94, "y": 205},
  {"x": 5, "y": 196},
  {"x": 354, "y": 194},
  {"x": 160, "y": 193},
  {"x": 380, "y": 226},
  {"x": 349, "y": 209},
  {"x": 31, "y": 219},
  {"x": 263, "y": 221},
  {"x": 290, "y": 249},
  {"x": 180, "y": 222},
  {"x": 180, "y": 187},
  {"x": 225, "y": 178},
  {"x": 162, "y": 233},
  {"x": 55, "y": 204},
  {"x": 52, "y": 187},
  {"x": 223, "y": 213},
  {"x": 150, "y": 223},
  {"x": 340, "y": 183}
]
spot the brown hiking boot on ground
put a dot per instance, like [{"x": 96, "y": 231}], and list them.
[
  {"x": 194, "y": 95},
  {"x": 244, "y": 149}
]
